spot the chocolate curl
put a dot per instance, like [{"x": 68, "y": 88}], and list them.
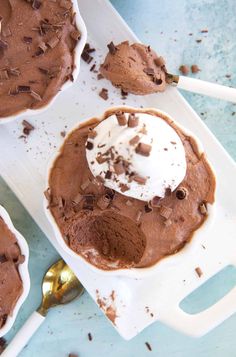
[
  {"x": 133, "y": 121},
  {"x": 143, "y": 149},
  {"x": 121, "y": 118},
  {"x": 103, "y": 202}
]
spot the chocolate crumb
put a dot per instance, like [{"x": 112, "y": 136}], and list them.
[
  {"x": 104, "y": 93},
  {"x": 167, "y": 192},
  {"x": 199, "y": 41},
  {"x": 199, "y": 272},
  {"x": 195, "y": 68},
  {"x": 121, "y": 118},
  {"x": 92, "y": 67},
  {"x": 63, "y": 134},
  {"x": 119, "y": 168},
  {"x": 134, "y": 140},
  {"x": 148, "y": 346},
  {"x": 184, "y": 69},
  {"x": 23, "y": 89},
  {"x": 143, "y": 149},
  {"x": 123, "y": 187},
  {"x": 139, "y": 179},
  {"x": 112, "y": 48},
  {"x": 204, "y": 31},
  {"x": 108, "y": 175},
  {"x": 99, "y": 76},
  {"x": 90, "y": 337}
]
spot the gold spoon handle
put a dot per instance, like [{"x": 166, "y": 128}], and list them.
[{"x": 24, "y": 335}]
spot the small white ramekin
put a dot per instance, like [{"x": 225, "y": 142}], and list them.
[
  {"x": 23, "y": 271},
  {"x": 190, "y": 249},
  {"x": 77, "y": 57}
]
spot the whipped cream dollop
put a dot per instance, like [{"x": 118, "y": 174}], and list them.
[{"x": 137, "y": 154}]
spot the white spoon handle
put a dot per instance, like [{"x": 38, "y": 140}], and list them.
[
  {"x": 24, "y": 335},
  {"x": 207, "y": 88}
]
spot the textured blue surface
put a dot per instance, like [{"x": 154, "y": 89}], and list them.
[{"x": 166, "y": 26}]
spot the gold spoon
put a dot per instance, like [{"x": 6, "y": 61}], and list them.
[{"x": 60, "y": 286}]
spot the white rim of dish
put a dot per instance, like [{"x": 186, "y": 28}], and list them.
[
  {"x": 77, "y": 57},
  {"x": 23, "y": 271},
  {"x": 165, "y": 263}
]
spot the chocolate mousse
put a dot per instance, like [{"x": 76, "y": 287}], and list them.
[
  {"x": 135, "y": 68},
  {"x": 107, "y": 209},
  {"x": 37, "y": 42},
  {"x": 10, "y": 282}
]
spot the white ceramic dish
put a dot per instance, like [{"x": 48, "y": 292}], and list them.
[
  {"x": 77, "y": 55},
  {"x": 171, "y": 261},
  {"x": 23, "y": 165},
  {"x": 23, "y": 270}
]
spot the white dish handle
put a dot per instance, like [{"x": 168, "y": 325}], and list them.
[
  {"x": 24, "y": 335},
  {"x": 207, "y": 88},
  {"x": 199, "y": 324}
]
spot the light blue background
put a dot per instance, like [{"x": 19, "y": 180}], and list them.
[{"x": 165, "y": 25}]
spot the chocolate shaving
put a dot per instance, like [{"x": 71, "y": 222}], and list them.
[
  {"x": 124, "y": 94},
  {"x": 121, "y": 118},
  {"x": 199, "y": 272},
  {"x": 36, "y": 4},
  {"x": 195, "y": 68},
  {"x": 112, "y": 48},
  {"x": 103, "y": 202},
  {"x": 133, "y": 121},
  {"x": 139, "y": 179},
  {"x": 89, "y": 145},
  {"x": 104, "y": 93},
  {"x": 165, "y": 212},
  {"x": 143, "y": 149},
  {"x": 23, "y": 89},
  {"x": 148, "y": 346},
  {"x": 123, "y": 187},
  {"x": 86, "y": 56},
  {"x": 53, "y": 42},
  {"x": 27, "y": 40},
  {"x": 90, "y": 337},
  {"x": 35, "y": 95},
  {"x": 75, "y": 35},
  {"x": 203, "y": 208},
  {"x": 99, "y": 76},
  {"x": 101, "y": 159},
  {"x": 119, "y": 168},
  {"x": 155, "y": 201},
  {"x": 158, "y": 81},
  {"x": 134, "y": 140},
  {"x": 181, "y": 193},
  {"x": 108, "y": 175},
  {"x": 27, "y": 128}
]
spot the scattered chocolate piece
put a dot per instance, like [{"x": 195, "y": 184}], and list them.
[
  {"x": 123, "y": 187},
  {"x": 165, "y": 212},
  {"x": 199, "y": 272},
  {"x": 63, "y": 134},
  {"x": 181, "y": 193},
  {"x": 112, "y": 48},
  {"x": 86, "y": 53},
  {"x": 155, "y": 201},
  {"x": 99, "y": 76},
  {"x": 133, "y": 121},
  {"x": 121, "y": 118},
  {"x": 93, "y": 67},
  {"x": 199, "y": 41},
  {"x": 139, "y": 179},
  {"x": 35, "y": 95},
  {"x": 204, "y": 31},
  {"x": 27, "y": 127},
  {"x": 90, "y": 337},
  {"x": 103, "y": 202},
  {"x": 167, "y": 192},
  {"x": 143, "y": 149},
  {"x": 195, "y": 68},
  {"x": 88, "y": 48},
  {"x": 108, "y": 175},
  {"x": 53, "y": 42},
  {"x": 89, "y": 145},
  {"x": 101, "y": 159},
  {"x": 104, "y": 93},
  {"x": 148, "y": 208},
  {"x": 23, "y": 89},
  {"x": 73, "y": 355},
  {"x": 148, "y": 346},
  {"x": 203, "y": 208},
  {"x": 124, "y": 94},
  {"x": 27, "y": 40},
  {"x": 119, "y": 168},
  {"x": 75, "y": 35},
  {"x": 134, "y": 140},
  {"x": 184, "y": 69}
]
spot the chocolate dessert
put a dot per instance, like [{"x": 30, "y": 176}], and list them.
[
  {"x": 130, "y": 189},
  {"x": 10, "y": 282},
  {"x": 135, "y": 68},
  {"x": 37, "y": 42}
]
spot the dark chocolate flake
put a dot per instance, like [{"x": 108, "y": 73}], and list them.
[
  {"x": 27, "y": 127},
  {"x": 199, "y": 272},
  {"x": 112, "y": 48},
  {"x": 139, "y": 179},
  {"x": 89, "y": 145},
  {"x": 23, "y": 89},
  {"x": 104, "y": 93},
  {"x": 143, "y": 149}
]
